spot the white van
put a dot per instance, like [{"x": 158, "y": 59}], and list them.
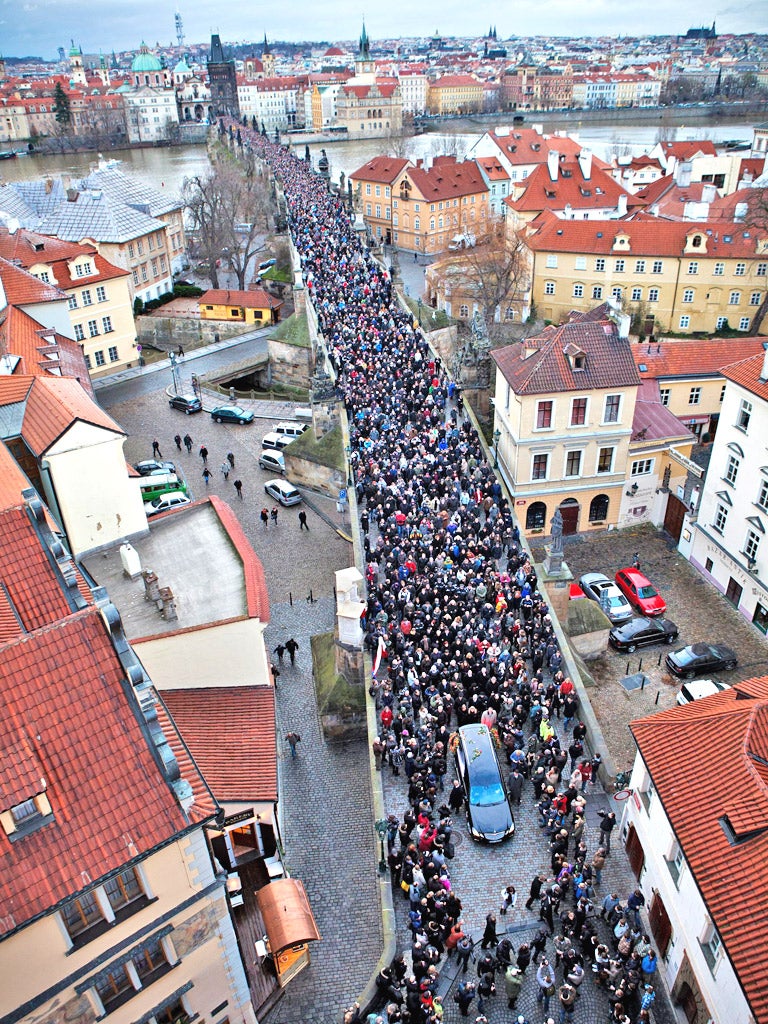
[
  {"x": 273, "y": 461},
  {"x": 291, "y": 428},
  {"x": 276, "y": 441}
]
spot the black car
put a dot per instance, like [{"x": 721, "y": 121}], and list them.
[
  {"x": 187, "y": 403},
  {"x": 642, "y": 633},
  {"x": 231, "y": 414},
  {"x": 154, "y": 467},
  {"x": 489, "y": 815},
  {"x": 701, "y": 659}
]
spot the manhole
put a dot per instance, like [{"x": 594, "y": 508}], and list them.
[
  {"x": 636, "y": 681},
  {"x": 457, "y": 838}
]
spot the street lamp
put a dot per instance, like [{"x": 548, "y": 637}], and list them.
[
  {"x": 381, "y": 830},
  {"x": 418, "y": 303},
  {"x": 496, "y": 437},
  {"x": 174, "y": 371},
  {"x": 348, "y": 453}
]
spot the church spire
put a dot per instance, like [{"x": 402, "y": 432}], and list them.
[{"x": 365, "y": 46}]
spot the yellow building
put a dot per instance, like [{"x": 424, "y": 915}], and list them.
[
  {"x": 564, "y": 412},
  {"x": 455, "y": 94},
  {"x": 672, "y": 276},
  {"x": 370, "y": 110},
  {"x": 252, "y": 307}
]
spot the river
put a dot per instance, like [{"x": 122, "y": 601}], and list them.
[{"x": 166, "y": 168}]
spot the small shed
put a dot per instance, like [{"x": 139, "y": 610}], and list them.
[
  {"x": 254, "y": 306},
  {"x": 289, "y": 924}
]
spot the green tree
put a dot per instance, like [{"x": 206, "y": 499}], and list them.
[{"x": 61, "y": 106}]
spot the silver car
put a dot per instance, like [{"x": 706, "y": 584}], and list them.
[{"x": 605, "y": 592}]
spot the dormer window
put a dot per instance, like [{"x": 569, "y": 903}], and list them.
[
  {"x": 83, "y": 269},
  {"x": 26, "y": 817},
  {"x": 579, "y": 361}
]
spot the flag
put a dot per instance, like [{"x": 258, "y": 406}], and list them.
[{"x": 379, "y": 652}]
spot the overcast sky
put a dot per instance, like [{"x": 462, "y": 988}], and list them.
[{"x": 39, "y": 27}]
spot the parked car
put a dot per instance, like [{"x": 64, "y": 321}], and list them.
[
  {"x": 699, "y": 659},
  {"x": 642, "y": 633},
  {"x": 266, "y": 264},
  {"x": 598, "y": 587},
  {"x": 172, "y": 499},
  {"x": 151, "y": 467},
  {"x": 489, "y": 814},
  {"x": 283, "y": 492},
  {"x": 640, "y": 592},
  {"x": 699, "y": 688},
  {"x": 273, "y": 461},
  {"x": 153, "y": 486},
  {"x": 276, "y": 441},
  {"x": 231, "y": 414},
  {"x": 291, "y": 428},
  {"x": 187, "y": 403}
]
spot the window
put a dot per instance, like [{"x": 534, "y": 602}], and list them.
[
  {"x": 368, "y": 209},
  {"x": 712, "y": 948},
  {"x": 549, "y": 287},
  {"x": 367, "y": 189},
  {"x": 578, "y": 291},
  {"x": 101, "y": 293},
  {"x": 619, "y": 266},
  {"x": 464, "y": 311},
  {"x": 113, "y": 357},
  {"x": 72, "y": 302},
  {"x": 721, "y": 518},
  {"x": 734, "y": 298},
  {"x": 745, "y": 412},
  {"x": 761, "y": 270},
  {"x": 688, "y": 295},
  {"x": 597, "y": 292},
  {"x": 539, "y": 471},
  {"x": 664, "y": 394},
  {"x": 685, "y": 322},
  {"x": 509, "y": 314},
  {"x": 732, "y": 469},
  {"x": 164, "y": 262},
  {"x": 694, "y": 396},
  {"x": 106, "y": 324},
  {"x": 637, "y": 294},
  {"x": 123, "y": 889},
  {"x": 605, "y": 460},
  {"x": 653, "y": 294},
  {"x": 143, "y": 271},
  {"x": 87, "y": 361},
  {"x": 722, "y": 321},
  {"x": 113, "y": 987},
  {"x": 578, "y": 412},
  {"x": 140, "y": 247},
  {"x": 580, "y": 263},
  {"x": 616, "y": 293},
  {"x": 135, "y": 276},
  {"x": 754, "y": 298},
  {"x": 154, "y": 266},
  {"x": 612, "y": 407},
  {"x": 598, "y": 508},
  {"x": 740, "y": 269},
  {"x": 544, "y": 415},
  {"x": 744, "y": 323},
  {"x": 693, "y": 267},
  {"x": 751, "y": 545},
  {"x": 79, "y": 332},
  {"x": 86, "y": 297},
  {"x": 150, "y": 960},
  {"x": 536, "y": 516},
  {"x": 600, "y": 263},
  {"x": 642, "y": 467},
  {"x": 99, "y": 357},
  {"x": 719, "y": 270},
  {"x": 573, "y": 463},
  {"x": 93, "y": 328},
  {"x": 44, "y": 276},
  {"x": 81, "y": 914},
  {"x": 640, "y": 266},
  {"x": 83, "y": 269},
  {"x": 657, "y": 267},
  {"x": 676, "y": 864}
]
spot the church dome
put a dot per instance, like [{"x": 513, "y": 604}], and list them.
[{"x": 146, "y": 61}]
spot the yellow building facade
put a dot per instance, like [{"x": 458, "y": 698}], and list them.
[{"x": 455, "y": 94}]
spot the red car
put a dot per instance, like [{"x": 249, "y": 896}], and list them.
[{"x": 640, "y": 592}]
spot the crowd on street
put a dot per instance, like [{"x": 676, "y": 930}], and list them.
[{"x": 459, "y": 633}]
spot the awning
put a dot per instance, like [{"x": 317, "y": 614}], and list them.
[{"x": 287, "y": 915}]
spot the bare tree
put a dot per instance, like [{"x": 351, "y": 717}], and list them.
[{"x": 230, "y": 213}]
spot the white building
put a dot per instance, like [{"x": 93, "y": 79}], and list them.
[
  {"x": 272, "y": 101},
  {"x": 728, "y": 544},
  {"x": 150, "y": 102},
  {"x": 413, "y": 88},
  {"x": 696, "y": 836}
]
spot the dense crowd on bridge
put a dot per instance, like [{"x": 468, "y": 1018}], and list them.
[{"x": 463, "y": 635}]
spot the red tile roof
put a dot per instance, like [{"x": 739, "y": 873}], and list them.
[
  {"x": 493, "y": 168},
  {"x": 701, "y": 805},
  {"x": 547, "y": 370},
  {"x": 700, "y": 358},
  {"x": 527, "y": 146},
  {"x": 448, "y": 179},
  {"x": 230, "y": 732},
  {"x": 688, "y": 149},
  {"x": 382, "y": 169},
  {"x": 28, "y": 249},
  {"x": 15, "y": 388},
  {"x": 540, "y": 192},
  {"x": 54, "y": 404},
  {"x": 22, "y": 288},
  {"x": 254, "y": 298},
  {"x": 747, "y": 373},
  {"x": 102, "y": 818},
  {"x": 653, "y": 421},
  {"x": 456, "y": 82}
]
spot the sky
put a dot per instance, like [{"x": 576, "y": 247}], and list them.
[{"x": 39, "y": 27}]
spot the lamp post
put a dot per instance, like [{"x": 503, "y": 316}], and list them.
[
  {"x": 418, "y": 305},
  {"x": 174, "y": 371},
  {"x": 381, "y": 830},
  {"x": 348, "y": 453},
  {"x": 496, "y": 437}
]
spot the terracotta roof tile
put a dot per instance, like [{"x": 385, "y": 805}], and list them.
[
  {"x": 22, "y": 288},
  {"x": 15, "y": 388},
  {"x": 700, "y": 358},
  {"x": 245, "y": 766},
  {"x": 448, "y": 178},
  {"x": 53, "y": 405},
  {"x": 703, "y": 807},
  {"x": 747, "y": 373},
  {"x": 382, "y": 168},
  {"x": 255, "y": 298},
  {"x": 540, "y": 192}
]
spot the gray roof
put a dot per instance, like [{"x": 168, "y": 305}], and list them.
[{"x": 132, "y": 192}]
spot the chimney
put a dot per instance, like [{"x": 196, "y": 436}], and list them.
[
  {"x": 48, "y": 185},
  {"x": 683, "y": 173},
  {"x": 72, "y": 195},
  {"x": 553, "y": 161},
  {"x": 585, "y": 162},
  {"x": 621, "y": 205},
  {"x": 708, "y": 194},
  {"x": 764, "y": 371}
]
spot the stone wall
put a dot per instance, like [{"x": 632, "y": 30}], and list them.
[
  {"x": 167, "y": 332},
  {"x": 291, "y": 364},
  {"x": 325, "y": 479}
]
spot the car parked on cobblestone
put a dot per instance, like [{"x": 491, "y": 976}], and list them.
[
  {"x": 187, "y": 403},
  {"x": 699, "y": 688},
  {"x": 154, "y": 467},
  {"x": 642, "y": 632},
  {"x": 700, "y": 659},
  {"x": 599, "y": 588},
  {"x": 283, "y": 492},
  {"x": 489, "y": 814},
  {"x": 231, "y": 414},
  {"x": 640, "y": 592},
  {"x": 172, "y": 499}
]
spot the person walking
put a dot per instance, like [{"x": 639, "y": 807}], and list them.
[
  {"x": 180, "y": 352},
  {"x": 206, "y": 475},
  {"x": 225, "y": 468},
  {"x": 513, "y": 982},
  {"x": 177, "y": 439},
  {"x": 508, "y": 899},
  {"x": 464, "y": 995},
  {"x": 292, "y": 646},
  {"x": 463, "y": 952},
  {"x": 545, "y": 980},
  {"x": 303, "y": 521},
  {"x": 293, "y": 739},
  {"x": 231, "y": 460},
  {"x": 188, "y": 444},
  {"x": 239, "y": 488},
  {"x": 156, "y": 449},
  {"x": 490, "y": 938},
  {"x": 204, "y": 454},
  {"x": 273, "y": 515},
  {"x": 567, "y": 995},
  {"x": 264, "y": 516},
  {"x": 607, "y": 825},
  {"x": 280, "y": 651}
]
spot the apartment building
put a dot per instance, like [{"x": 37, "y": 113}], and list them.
[{"x": 455, "y": 94}]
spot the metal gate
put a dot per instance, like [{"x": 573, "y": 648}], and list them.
[{"x": 674, "y": 516}]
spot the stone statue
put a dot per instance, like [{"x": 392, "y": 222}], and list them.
[{"x": 556, "y": 522}]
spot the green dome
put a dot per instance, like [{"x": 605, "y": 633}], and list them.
[
  {"x": 181, "y": 68},
  {"x": 146, "y": 61}
]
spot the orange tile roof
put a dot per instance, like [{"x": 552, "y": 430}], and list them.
[
  {"x": 687, "y": 149},
  {"x": 382, "y": 169},
  {"x": 254, "y": 298},
  {"x": 230, "y": 732},
  {"x": 54, "y": 404},
  {"x": 540, "y": 192},
  {"x": 448, "y": 179},
  {"x": 493, "y": 168},
  {"x": 22, "y": 288},
  {"x": 28, "y": 249},
  {"x": 15, "y": 388},
  {"x": 256, "y": 593},
  {"x": 455, "y": 82},
  {"x": 700, "y": 806},
  {"x": 747, "y": 373},
  {"x": 700, "y": 358},
  {"x": 71, "y": 729}
]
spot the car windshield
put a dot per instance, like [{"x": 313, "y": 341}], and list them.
[
  {"x": 616, "y": 601},
  {"x": 687, "y": 655},
  {"x": 646, "y": 592},
  {"x": 486, "y": 794}
]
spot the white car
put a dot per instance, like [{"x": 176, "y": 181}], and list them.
[
  {"x": 698, "y": 688},
  {"x": 171, "y": 499},
  {"x": 273, "y": 461},
  {"x": 283, "y": 492},
  {"x": 605, "y": 592}
]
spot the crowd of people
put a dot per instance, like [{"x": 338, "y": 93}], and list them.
[{"x": 460, "y": 633}]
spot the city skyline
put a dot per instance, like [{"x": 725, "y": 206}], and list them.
[{"x": 39, "y": 28}]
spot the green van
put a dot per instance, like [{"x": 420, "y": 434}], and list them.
[{"x": 152, "y": 487}]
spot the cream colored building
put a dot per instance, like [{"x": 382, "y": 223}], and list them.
[{"x": 455, "y": 94}]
